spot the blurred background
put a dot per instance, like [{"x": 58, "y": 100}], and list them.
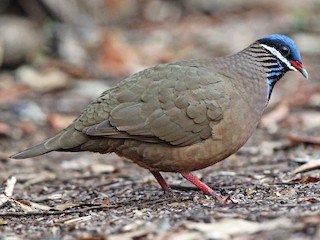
[{"x": 57, "y": 56}]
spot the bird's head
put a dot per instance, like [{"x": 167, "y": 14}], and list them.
[{"x": 285, "y": 50}]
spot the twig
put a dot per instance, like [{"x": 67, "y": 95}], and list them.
[
  {"x": 71, "y": 211},
  {"x": 304, "y": 139},
  {"x": 95, "y": 207}
]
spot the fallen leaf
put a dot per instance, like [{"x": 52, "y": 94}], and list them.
[
  {"x": 42, "y": 81},
  {"x": 311, "y": 165},
  {"x": 309, "y": 199},
  {"x": 78, "y": 220},
  {"x": 307, "y": 179},
  {"x": 92, "y": 238},
  {"x": 310, "y": 219},
  {"x": 10, "y": 185},
  {"x": 304, "y": 139},
  {"x": 28, "y": 206},
  {"x": 102, "y": 168},
  {"x": 8, "y": 191},
  {"x": 65, "y": 206},
  {"x": 106, "y": 201},
  {"x": 308, "y": 119},
  {"x": 3, "y": 222},
  {"x": 138, "y": 234},
  {"x": 225, "y": 228}
]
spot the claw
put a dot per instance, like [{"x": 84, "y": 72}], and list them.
[{"x": 207, "y": 190}]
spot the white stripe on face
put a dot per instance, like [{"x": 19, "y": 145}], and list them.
[{"x": 276, "y": 53}]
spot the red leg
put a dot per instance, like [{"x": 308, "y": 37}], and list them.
[
  {"x": 165, "y": 187},
  {"x": 205, "y": 188}
]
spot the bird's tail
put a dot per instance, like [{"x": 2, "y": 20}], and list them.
[{"x": 68, "y": 138}]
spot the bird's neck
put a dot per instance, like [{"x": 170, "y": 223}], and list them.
[
  {"x": 275, "y": 72},
  {"x": 271, "y": 65}
]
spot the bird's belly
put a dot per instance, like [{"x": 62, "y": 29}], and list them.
[{"x": 168, "y": 158}]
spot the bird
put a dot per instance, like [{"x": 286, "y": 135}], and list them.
[{"x": 182, "y": 116}]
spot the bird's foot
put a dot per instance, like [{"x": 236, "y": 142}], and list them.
[
  {"x": 165, "y": 187},
  {"x": 207, "y": 190}
]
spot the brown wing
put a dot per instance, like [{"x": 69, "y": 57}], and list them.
[{"x": 176, "y": 103}]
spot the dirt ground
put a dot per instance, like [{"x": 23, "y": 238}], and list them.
[{"x": 275, "y": 177}]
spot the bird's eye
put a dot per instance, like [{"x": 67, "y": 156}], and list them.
[{"x": 285, "y": 51}]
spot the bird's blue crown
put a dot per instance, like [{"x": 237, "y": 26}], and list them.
[{"x": 278, "y": 40}]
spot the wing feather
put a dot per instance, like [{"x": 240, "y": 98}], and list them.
[{"x": 178, "y": 109}]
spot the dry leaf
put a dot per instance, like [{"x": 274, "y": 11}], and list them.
[
  {"x": 308, "y": 119},
  {"x": 304, "y": 139},
  {"x": 102, "y": 168},
  {"x": 92, "y": 238},
  {"x": 3, "y": 222},
  {"x": 307, "y": 179},
  {"x": 309, "y": 199},
  {"x": 28, "y": 206},
  {"x": 106, "y": 201},
  {"x": 65, "y": 206},
  {"x": 227, "y": 227},
  {"x": 10, "y": 185},
  {"x": 3, "y": 199},
  {"x": 311, "y": 165},
  {"x": 78, "y": 220},
  {"x": 42, "y": 81},
  {"x": 8, "y": 191},
  {"x": 138, "y": 234}
]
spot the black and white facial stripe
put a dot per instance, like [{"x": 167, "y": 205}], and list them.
[
  {"x": 276, "y": 68},
  {"x": 279, "y": 56}
]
